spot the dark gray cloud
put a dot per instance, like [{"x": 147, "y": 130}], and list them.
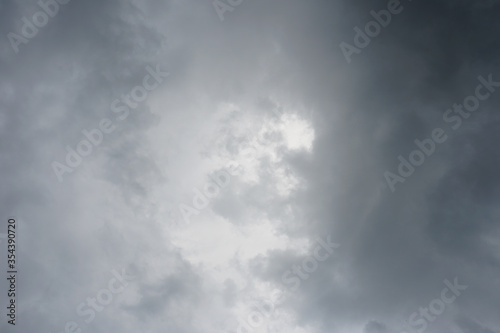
[{"x": 268, "y": 89}]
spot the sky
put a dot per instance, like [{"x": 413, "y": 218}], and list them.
[{"x": 240, "y": 166}]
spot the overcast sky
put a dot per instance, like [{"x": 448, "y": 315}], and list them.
[{"x": 118, "y": 118}]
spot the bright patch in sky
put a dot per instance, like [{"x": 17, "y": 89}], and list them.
[
  {"x": 221, "y": 248},
  {"x": 297, "y": 133}
]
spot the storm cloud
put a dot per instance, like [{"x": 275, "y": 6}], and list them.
[{"x": 182, "y": 166}]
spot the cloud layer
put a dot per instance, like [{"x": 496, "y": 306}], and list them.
[{"x": 267, "y": 93}]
